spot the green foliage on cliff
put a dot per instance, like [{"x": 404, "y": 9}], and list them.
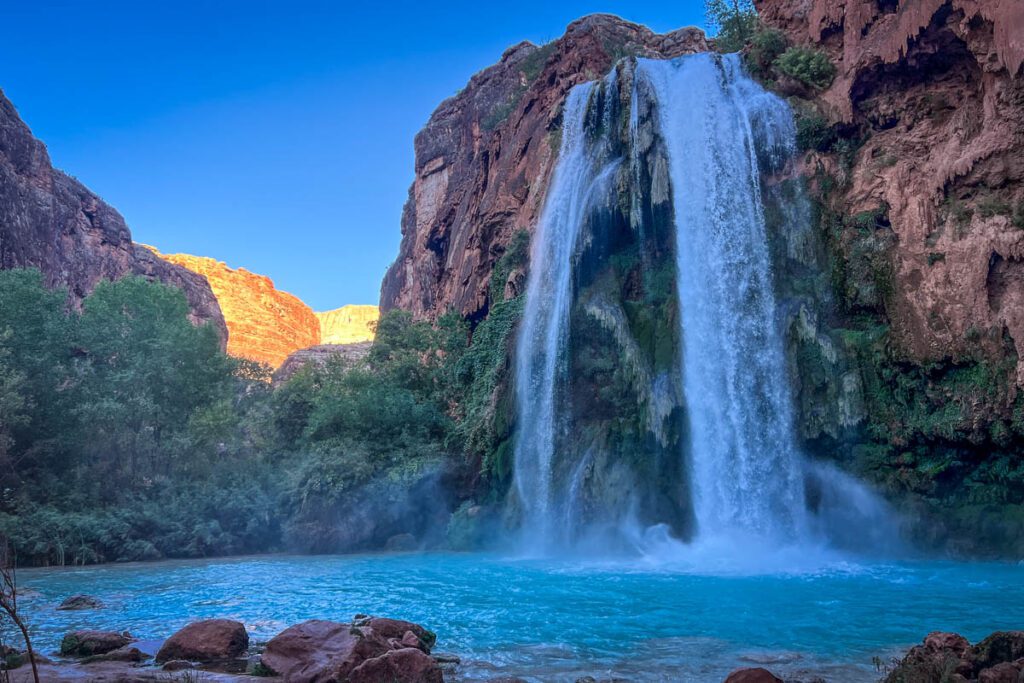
[{"x": 807, "y": 65}]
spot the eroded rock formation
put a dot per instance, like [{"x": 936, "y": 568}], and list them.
[
  {"x": 349, "y": 324},
  {"x": 934, "y": 90},
  {"x": 264, "y": 324},
  {"x": 483, "y": 161},
  {"x": 50, "y": 221}
]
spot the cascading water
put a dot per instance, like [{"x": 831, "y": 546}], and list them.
[
  {"x": 541, "y": 349},
  {"x": 700, "y": 138},
  {"x": 746, "y": 470}
]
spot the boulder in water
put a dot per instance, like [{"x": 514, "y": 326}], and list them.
[
  {"x": 80, "y": 602},
  {"x": 368, "y": 649},
  {"x": 210, "y": 640},
  {"x": 87, "y": 643},
  {"x": 127, "y": 653},
  {"x": 752, "y": 675}
]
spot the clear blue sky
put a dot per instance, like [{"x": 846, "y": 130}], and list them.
[{"x": 276, "y": 136}]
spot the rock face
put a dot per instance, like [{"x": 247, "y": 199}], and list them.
[
  {"x": 264, "y": 324},
  {"x": 366, "y": 651},
  {"x": 348, "y": 354},
  {"x": 50, "y": 221},
  {"x": 348, "y": 324},
  {"x": 937, "y": 87},
  {"x": 210, "y": 640},
  {"x": 484, "y": 158}
]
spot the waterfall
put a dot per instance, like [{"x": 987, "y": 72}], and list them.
[
  {"x": 583, "y": 167},
  {"x": 699, "y": 140},
  {"x": 746, "y": 469}
]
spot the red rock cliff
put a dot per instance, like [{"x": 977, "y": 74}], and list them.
[
  {"x": 264, "y": 324},
  {"x": 483, "y": 160},
  {"x": 935, "y": 88},
  {"x": 50, "y": 221}
]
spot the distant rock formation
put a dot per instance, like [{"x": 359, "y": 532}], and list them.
[
  {"x": 50, "y": 221},
  {"x": 348, "y": 324},
  {"x": 348, "y": 354},
  {"x": 264, "y": 324},
  {"x": 484, "y": 157}
]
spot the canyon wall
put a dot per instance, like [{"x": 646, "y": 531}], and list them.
[
  {"x": 934, "y": 94},
  {"x": 349, "y": 324},
  {"x": 264, "y": 324},
  {"x": 50, "y": 221},
  {"x": 484, "y": 158}
]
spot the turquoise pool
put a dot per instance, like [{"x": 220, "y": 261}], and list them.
[{"x": 555, "y": 620}]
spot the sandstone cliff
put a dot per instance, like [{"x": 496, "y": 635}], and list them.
[
  {"x": 264, "y": 324},
  {"x": 483, "y": 160},
  {"x": 50, "y": 221},
  {"x": 348, "y": 324},
  {"x": 932, "y": 90}
]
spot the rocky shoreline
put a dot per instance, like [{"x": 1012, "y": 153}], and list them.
[{"x": 372, "y": 649}]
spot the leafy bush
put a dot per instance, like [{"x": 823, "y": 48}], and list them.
[
  {"x": 813, "y": 132},
  {"x": 765, "y": 47},
  {"x": 809, "y": 66}
]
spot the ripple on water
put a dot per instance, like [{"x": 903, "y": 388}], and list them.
[{"x": 556, "y": 620}]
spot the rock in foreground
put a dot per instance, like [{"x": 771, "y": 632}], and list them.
[
  {"x": 210, "y": 640},
  {"x": 365, "y": 651},
  {"x": 755, "y": 675},
  {"x": 88, "y": 643},
  {"x": 950, "y": 657}
]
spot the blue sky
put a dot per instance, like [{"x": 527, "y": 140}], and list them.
[{"x": 275, "y": 136}]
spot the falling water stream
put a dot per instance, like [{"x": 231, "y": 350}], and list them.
[{"x": 721, "y": 132}]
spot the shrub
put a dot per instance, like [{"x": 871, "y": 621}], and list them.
[
  {"x": 809, "y": 66},
  {"x": 765, "y": 48},
  {"x": 813, "y": 132}
]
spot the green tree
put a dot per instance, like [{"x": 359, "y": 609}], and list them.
[
  {"x": 146, "y": 371},
  {"x": 732, "y": 22}
]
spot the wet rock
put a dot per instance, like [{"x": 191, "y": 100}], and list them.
[
  {"x": 752, "y": 675},
  {"x": 368, "y": 649},
  {"x": 406, "y": 665},
  {"x": 400, "y": 630},
  {"x": 127, "y": 653},
  {"x": 80, "y": 602},
  {"x": 87, "y": 643},
  {"x": 210, "y": 640}
]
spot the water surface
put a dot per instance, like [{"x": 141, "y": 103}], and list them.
[{"x": 555, "y": 620}]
